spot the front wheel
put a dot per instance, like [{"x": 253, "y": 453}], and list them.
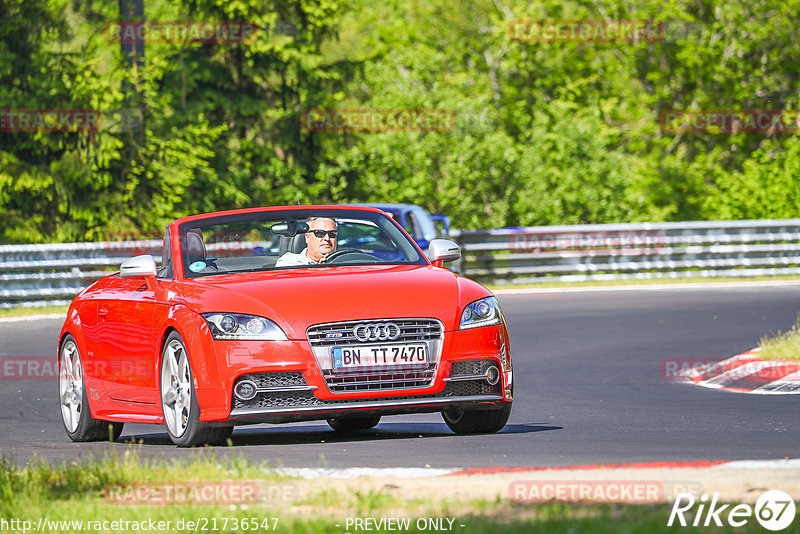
[
  {"x": 75, "y": 413},
  {"x": 477, "y": 421},
  {"x": 179, "y": 402}
]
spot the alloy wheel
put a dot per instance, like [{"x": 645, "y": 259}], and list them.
[
  {"x": 176, "y": 388},
  {"x": 70, "y": 385}
]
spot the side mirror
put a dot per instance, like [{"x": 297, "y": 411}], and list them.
[
  {"x": 442, "y": 250},
  {"x": 144, "y": 265}
]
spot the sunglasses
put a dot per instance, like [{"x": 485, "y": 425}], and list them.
[{"x": 321, "y": 233}]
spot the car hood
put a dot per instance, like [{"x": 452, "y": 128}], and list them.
[{"x": 298, "y": 298}]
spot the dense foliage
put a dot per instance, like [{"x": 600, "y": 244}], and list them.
[{"x": 544, "y": 133}]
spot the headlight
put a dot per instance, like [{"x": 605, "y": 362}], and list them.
[
  {"x": 483, "y": 312},
  {"x": 237, "y": 326}
]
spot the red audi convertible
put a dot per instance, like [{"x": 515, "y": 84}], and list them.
[{"x": 283, "y": 314}]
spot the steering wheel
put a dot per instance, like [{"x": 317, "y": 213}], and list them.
[
  {"x": 341, "y": 252},
  {"x": 333, "y": 256}
]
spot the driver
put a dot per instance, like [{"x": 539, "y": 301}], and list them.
[{"x": 320, "y": 242}]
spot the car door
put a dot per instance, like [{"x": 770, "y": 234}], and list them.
[{"x": 126, "y": 340}]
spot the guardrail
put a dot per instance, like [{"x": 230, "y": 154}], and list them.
[
  {"x": 37, "y": 275},
  {"x": 632, "y": 251},
  {"x": 51, "y": 275}
]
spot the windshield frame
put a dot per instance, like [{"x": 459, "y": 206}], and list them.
[{"x": 405, "y": 243}]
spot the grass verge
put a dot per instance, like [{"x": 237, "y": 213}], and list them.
[
  {"x": 77, "y": 492},
  {"x": 22, "y": 312},
  {"x": 781, "y": 346}
]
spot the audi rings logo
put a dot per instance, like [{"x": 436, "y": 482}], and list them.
[{"x": 376, "y": 332}]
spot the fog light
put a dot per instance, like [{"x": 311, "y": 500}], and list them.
[
  {"x": 492, "y": 375},
  {"x": 245, "y": 390}
]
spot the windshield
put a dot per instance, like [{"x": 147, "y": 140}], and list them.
[{"x": 280, "y": 240}]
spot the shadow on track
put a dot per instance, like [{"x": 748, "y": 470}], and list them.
[{"x": 244, "y": 436}]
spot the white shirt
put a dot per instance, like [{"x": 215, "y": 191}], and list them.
[{"x": 290, "y": 259}]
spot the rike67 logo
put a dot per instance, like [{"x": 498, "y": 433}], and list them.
[{"x": 774, "y": 510}]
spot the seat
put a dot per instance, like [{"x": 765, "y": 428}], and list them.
[
  {"x": 298, "y": 243},
  {"x": 294, "y": 244},
  {"x": 165, "y": 270}
]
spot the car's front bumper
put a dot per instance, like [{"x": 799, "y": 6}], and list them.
[
  {"x": 390, "y": 406},
  {"x": 291, "y": 386}
]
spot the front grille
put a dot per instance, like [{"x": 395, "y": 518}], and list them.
[
  {"x": 306, "y": 398},
  {"x": 341, "y": 334},
  {"x": 275, "y": 380},
  {"x": 278, "y": 399},
  {"x": 380, "y": 381},
  {"x": 472, "y": 387},
  {"x": 471, "y": 367},
  {"x": 324, "y": 337}
]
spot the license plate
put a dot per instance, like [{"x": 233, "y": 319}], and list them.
[{"x": 398, "y": 355}]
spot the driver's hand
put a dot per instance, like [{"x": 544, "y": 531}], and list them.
[{"x": 325, "y": 257}]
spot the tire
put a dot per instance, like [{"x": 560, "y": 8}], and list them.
[
  {"x": 76, "y": 415},
  {"x": 350, "y": 424},
  {"x": 221, "y": 436},
  {"x": 477, "y": 421},
  {"x": 179, "y": 402}
]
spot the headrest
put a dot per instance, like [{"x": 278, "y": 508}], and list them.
[{"x": 195, "y": 248}]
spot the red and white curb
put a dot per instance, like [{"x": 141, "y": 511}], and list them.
[
  {"x": 417, "y": 472},
  {"x": 697, "y": 464},
  {"x": 358, "y": 472},
  {"x": 747, "y": 373}
]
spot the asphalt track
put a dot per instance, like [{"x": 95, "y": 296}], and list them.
[{"x": 589, "y": 390}]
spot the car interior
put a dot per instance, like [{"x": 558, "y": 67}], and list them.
[{"x": 257, "y": 245}]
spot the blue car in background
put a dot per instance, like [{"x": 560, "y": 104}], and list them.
[{"x": 420, "y": 225}]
